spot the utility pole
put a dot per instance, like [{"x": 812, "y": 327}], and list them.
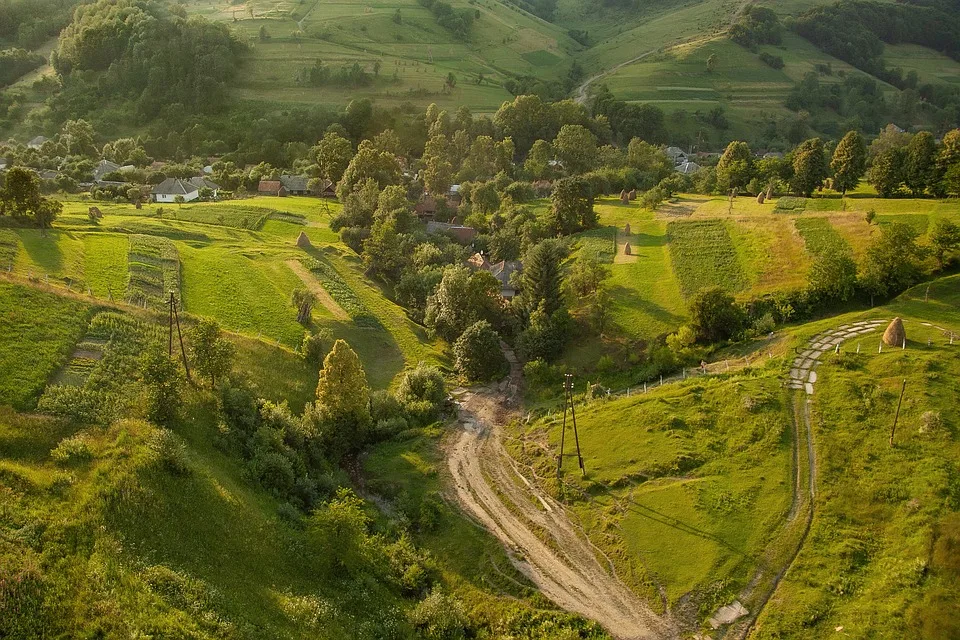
[
  {"x": 568, "y": 403},
  {"x": 893, "y": 429},
  {"x": 175, "y": 317}
]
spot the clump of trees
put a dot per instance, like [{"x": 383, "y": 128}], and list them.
[{"x": 21, "y": 199}]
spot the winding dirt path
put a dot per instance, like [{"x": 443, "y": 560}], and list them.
[{"x": 540, "y": 539}]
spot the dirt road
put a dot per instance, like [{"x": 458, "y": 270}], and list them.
[{"x": 492, "y": 489}]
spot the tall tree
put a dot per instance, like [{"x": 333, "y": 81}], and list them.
[
  {"x": 20, "y": 197},
  {"x": 892, "y": 261},
  {"x": 462, "y": 299},
  {"x": 541, "y": 279},
  {"x": 735, "y": 168},
  {"x": 947, "y": 159},
  {"x": 572, "y": 209},
  {"x": 576, "y": 148},
  {"x": 714, "y": 315},
  {"x": 849, "y": 162},
  {"x": 333, "y": 155},
  {"x": 477, "y": 353},
  {"x": 211, "y": 353},
  {"x": 920, "y": 155},
  {"x": 944, "y": 237},
  {"x": 887, "y": 173},
  {"x": 538, "y": 160},
  {"x": 343, "y": 399},
  {"x": 809, "y": 167}
]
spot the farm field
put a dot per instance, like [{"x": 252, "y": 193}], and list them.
[{"x": 229, "y": 259}]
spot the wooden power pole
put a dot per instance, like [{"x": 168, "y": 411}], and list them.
[
  {"x": 568, "y": 403},
  {"x": 175, "y": 318}
]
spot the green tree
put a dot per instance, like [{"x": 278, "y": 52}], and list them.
[
  {"x": 369, "y": 162},
  {"x": 735, "y": 168},
  {"x": 463, "y": 298},
  {"x": 849, "y": 162},
  {"x": 572, "y": 209},
  {"x": 809, "y": 167},
  {"x": 944, "y": 237},
  {"x": 164, "y": 381},
  {"x": 477, "y": 353},
  {"x": 264, "y": 34},
  {"x": 650, "y": 160},
  {"x": 586, "y": 276},
  {"x": 303, "y": 301},
  {"x": 332, "y": 154},
  {"x": 385, "y": 251},
  {"x": 947, "y": 158},
  {"x": 538, "y": 160},
  {"x": 343, "y": 400},
  {"x": 342, "y": 525},
  {"x": 545, "y": 335},
  {"x": 423, "y": 384},
  {"x": 20, "y": 197},
  {"x": 179, "y": 200},
  {"x": 714, "y": 315},
  {"x": 833, "y": 276},
  {"x": 576, "y": 148},
  {"x": 887, "y": 173},
  {"x": 541, "y": 278},
  {"x": 892, "y": 261},
  {"x": 919, "y": 162},
  {"x": 211, "y": 353}
]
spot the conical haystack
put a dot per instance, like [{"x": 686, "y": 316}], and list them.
[
  {"x": 623, "y": 197},
  {"x": 627, "y": 251},
  {"x": 303, "y": 241},
  {"x": 761, "y": 197},
  {"x": 895, "y": 335},
  {"x": 626, "y": 229},
  {"x": 632, "y": 194}
]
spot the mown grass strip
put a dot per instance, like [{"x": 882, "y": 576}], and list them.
[
  {"x": 154, "y": 268},
  {"x": 820, "y": 237},
  {"x": 703, "y": 255}
]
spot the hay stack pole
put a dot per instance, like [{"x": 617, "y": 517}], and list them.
[{"x": 895, "y": 335}]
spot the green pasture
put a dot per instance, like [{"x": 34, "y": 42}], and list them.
[
  {"x": 703, "y": 255},
  {"x": 685, "y": 484},
  {"x": 874, "y": 561}
]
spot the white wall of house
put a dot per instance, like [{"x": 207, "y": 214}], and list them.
[{"x": 166, "y": 197}]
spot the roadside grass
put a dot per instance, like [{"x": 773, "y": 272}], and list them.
[
  {"x": 37, "y": 334},
  {"x": 703, "y": 255},
  {"x": 685, "y": 485}
]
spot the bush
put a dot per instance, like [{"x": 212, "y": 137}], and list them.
[
  {"x": 170, "y": 451},
  {"x": 771, "y": 60},
  {"x": 715, "y": 315},
  {"x": 424, "y": 383},
  {"x": 315, "y": 346},
  {"x": 72, "y": 450},
  {"x": 439, "y": 617},
  {"x": 273, "y": 470},
  {"x": 478, "y": 355},
  {"x": 388, "y": 428},
  {"x": 384, "y": 405}
]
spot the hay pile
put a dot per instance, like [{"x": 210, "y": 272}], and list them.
[
  {"x": 303, "y": 241},
  {"x": 624, "y": 198},
  {"x": 895, "y": 335},
  {"x": 627, "y": 251}
]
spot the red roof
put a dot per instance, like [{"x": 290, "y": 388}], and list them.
[{"x": 270, "y": 186}]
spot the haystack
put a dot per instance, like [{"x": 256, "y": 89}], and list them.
[
  {"x": 761, "y": 197},
  {"x": 895, "y": 335},
  {"x": 303, "y": 241},
  {"x": 626, "y": 229},
  {"x": 627, "y": 251},
  {"x": 624, "y": 198},
  {"x": 632, "y": 195}
]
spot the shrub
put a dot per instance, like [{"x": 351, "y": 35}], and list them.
[
  {"x": 771, "y": 60},
  {"x": 439, "y": 617},
  {"x": 715, "y": 315},
  {"x": 477, "y": 353},
  {"x": 75, "y": 403},
  {"x": 170, "y": 451},
  {"x": 388, "y": 428},
  {"x": 315, "y": 346},
  {"x": 423, "y": 383},
  {"x": 273, "y": 470},
  {"x": 421, "y": 412},
  {"x": 72, "y": 450}
]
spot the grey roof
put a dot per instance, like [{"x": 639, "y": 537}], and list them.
[
  {"x": 504, "y": 269},
  {"x": 37, "y": 142},
  {"x": 173, "y": 187},
  {"x": 294, "y": 183},
  {"x": 675, "y": 152},
  {"x": 688, "y": 167},
  {"x": 104, "y": 168},
  {"x": 201, "y": 182}
]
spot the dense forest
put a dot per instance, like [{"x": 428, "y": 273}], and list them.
[{"x": 28, "y": 23}]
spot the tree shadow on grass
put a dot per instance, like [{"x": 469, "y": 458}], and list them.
[
  {"x": 629, "y": 299},
  {"x": 43, "y": 249},
  {"x": 668, "y": 520}
]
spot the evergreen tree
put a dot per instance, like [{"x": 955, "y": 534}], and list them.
[
  {"x": 849, "y": 162},
  {"x": 809, "y": 167},
  {"x": 343, "y": 399},
  {"x": 540, "y": 280},
  {"x": 919, "y": 159}
]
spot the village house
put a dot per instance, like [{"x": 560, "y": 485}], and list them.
[
  {"x": 462, "y": 234},
  {"x": 202, "y": 182},
  {"x": 295, "y": 185},
  {"x": 502, "y": 271},
  {"x": 37, "y": 142},
  {"x": 272, "y": 188},
  {"x": 327, "y": 189},
  {"x": 169, "y": 189},
  {"x": 677, "y": 155},
  {"x": 688, "y": 168},
  {"x": 103, "y": 168}
]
